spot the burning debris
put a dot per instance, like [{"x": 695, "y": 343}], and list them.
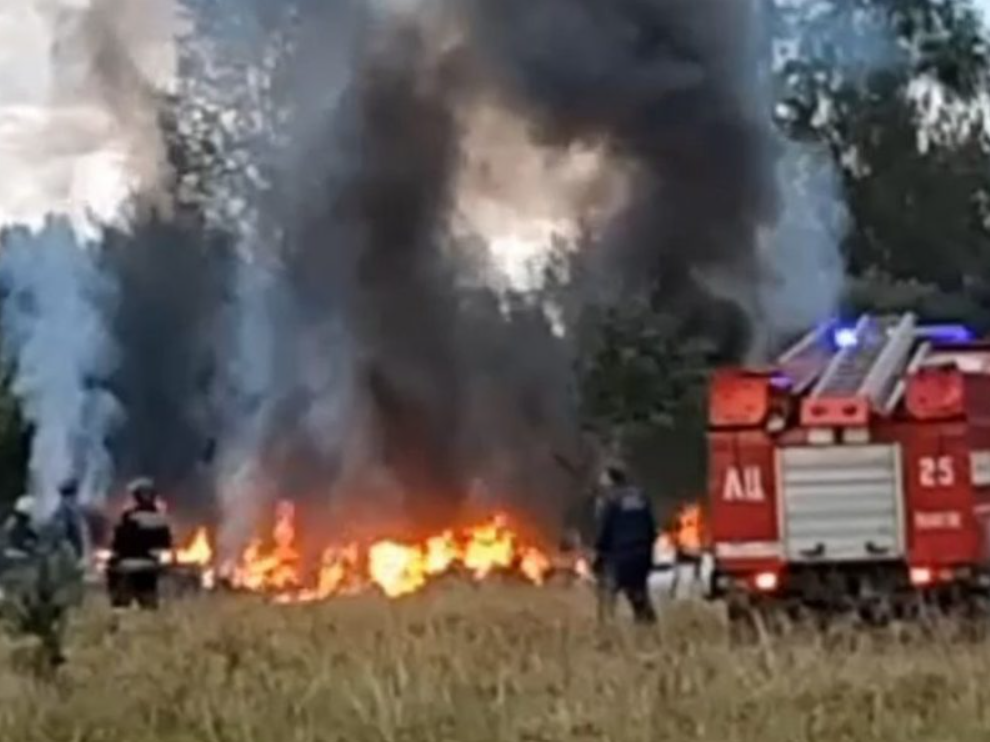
[{"x": 277, "y": 568}]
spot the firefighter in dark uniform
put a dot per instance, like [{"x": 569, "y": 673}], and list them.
[
  {"x": 140, "y": 539},
  {"x": 70, "y": 522},
  {"x": 42, "y": 568},
  {"x": 626, "y": 534},
  {"x": 18, "y": 536}
]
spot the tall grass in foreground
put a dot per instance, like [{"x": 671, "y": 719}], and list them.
[{"x": 489, "y": 664}]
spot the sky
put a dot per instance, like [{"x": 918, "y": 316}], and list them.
[{"x": 60, "y": 143}]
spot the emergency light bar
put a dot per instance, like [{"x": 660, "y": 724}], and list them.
[
  {"x": 945, "y": 333},
  {"x": 845, "y": 337}
]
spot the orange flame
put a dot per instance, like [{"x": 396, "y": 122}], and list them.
[
  {"x": 275, "y": 567},
  {"x": 689, "y": 530},
  {"x": 535, "y": 565},
  {"x": 397, "y": 569},
  {"x": 199, "y": 552},
  {"x": 490, "y": 547}
]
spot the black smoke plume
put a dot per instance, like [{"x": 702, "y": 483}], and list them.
[
  {"x": 442, "y": 380},
  {"x": 672, "y": 85},
  {"x": 378, "y": 344},
  {"x": 171, "y": 274}
]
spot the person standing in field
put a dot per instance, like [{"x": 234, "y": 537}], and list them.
[
  {"x": 139, "y": 540},
  {"x": 41, "y": 574},
  {"x": 626, "y": 533},
  {"x": 70, "y": 523},
  {"x": 18, "y": 536}
]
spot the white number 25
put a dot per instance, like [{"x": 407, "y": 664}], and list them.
[{"x": 936, "y": 471}]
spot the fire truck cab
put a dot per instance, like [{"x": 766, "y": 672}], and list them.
[{"x": 855, "y": 469}]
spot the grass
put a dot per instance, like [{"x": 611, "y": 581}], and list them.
[{"x": 483, "y": 665}]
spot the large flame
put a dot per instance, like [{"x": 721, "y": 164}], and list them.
[{"x": 274, "y": 566}]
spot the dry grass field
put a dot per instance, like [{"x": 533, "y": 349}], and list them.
[{"x": 484, "y": 665}]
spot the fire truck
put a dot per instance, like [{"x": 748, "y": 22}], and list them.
[{"x": 854, "y": 471}]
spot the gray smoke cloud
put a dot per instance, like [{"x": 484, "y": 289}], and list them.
[
  {"x": 80, "y": 133},
  {"x": 54, "y": 310},
  {"x": 171, "y": 276},
  {"x": 326, "y": 303},
  {"x": 363, "y": 362},
  {"x": 373, "y": 360},
  {"x": 672, "y": 85},
  {"x": 259, "y": 98}
]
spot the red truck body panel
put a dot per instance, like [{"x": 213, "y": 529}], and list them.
[
  {"x": 744, "y": 498},
  {"x": 895, "y": 468}
]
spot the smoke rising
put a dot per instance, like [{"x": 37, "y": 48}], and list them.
[
  {"x": 382, "y": 223},
  {"x": 390, "y": 238},
  {"x": 671, "y": 86},
  {"x": 55, "y": 303},
  {"x": 80, "y": 134},
  {"x": 171, "y": 276}
]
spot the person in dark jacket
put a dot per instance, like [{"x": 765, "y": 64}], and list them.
[
  {"x": 140, "y": 539},
  {"x": 18, "y": 536},
  {"x": 626, "y": 535},
  {"x": 70, "y": 522}
]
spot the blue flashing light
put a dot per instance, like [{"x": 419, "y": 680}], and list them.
[
  {"x": 844, "y": 337},
  {"x": 946, "y": 333}
]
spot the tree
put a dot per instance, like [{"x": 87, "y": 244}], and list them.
[
  {"x": 643, "y": 383},
  {"x": 896, "y": 89}
]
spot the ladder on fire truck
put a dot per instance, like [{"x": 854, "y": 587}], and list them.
[
  {"x": 805, "y": 361},
  {"x": 870, "y": 364}
]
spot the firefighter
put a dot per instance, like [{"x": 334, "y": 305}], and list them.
[
  {"x": 18, "y": 538},
  {"x": 71, "y": 524},
  {"x": 41, "y": 578},
  {"x": 140, "y": 539},
  {"x": 626, "y": 535}
]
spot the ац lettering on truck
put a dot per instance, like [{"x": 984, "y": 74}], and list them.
[{"x": 857, "y": 465}]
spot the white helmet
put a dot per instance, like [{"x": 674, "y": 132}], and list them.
[
  {"x": 143, "y": 490},
  {"x": 24, "y": 505}
]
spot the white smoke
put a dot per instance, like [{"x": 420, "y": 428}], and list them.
[
  {"x": 264, "y": 89},
  {"x": 250, "y": 376},
  {"x": 801, "y": 257},
  {"x": 79, "y": 138},
  {"x": 54, "y": 330},
  {"x": 524, "y": 200}
]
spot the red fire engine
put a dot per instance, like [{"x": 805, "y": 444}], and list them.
[{"x": 855, "y": 471}]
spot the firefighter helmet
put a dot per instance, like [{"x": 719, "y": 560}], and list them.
[
  {"x": 617, "y": 475},
  {"x": 24, "y": 505},
  {"x": 143, "y": 490}
]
